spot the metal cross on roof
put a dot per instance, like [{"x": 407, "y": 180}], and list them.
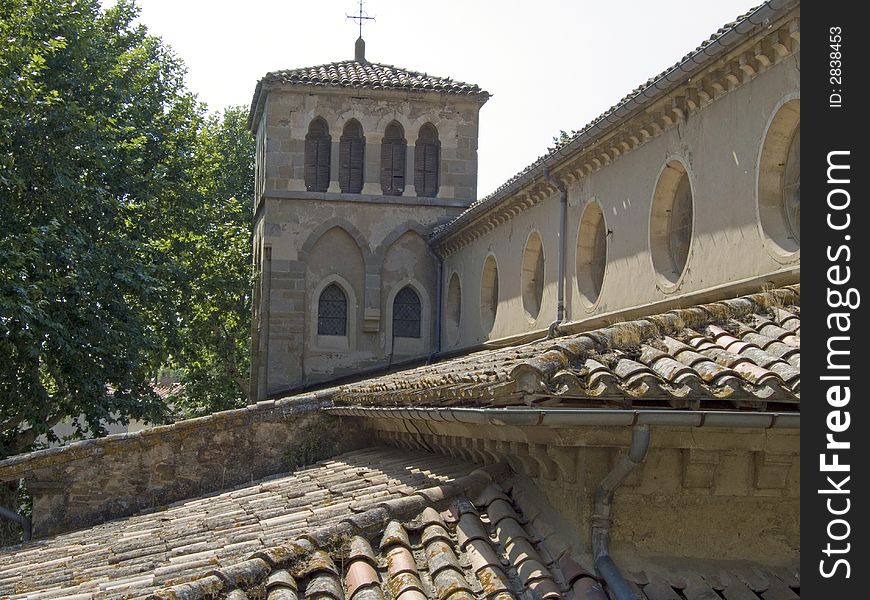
[{"x": 362, "y": 16}]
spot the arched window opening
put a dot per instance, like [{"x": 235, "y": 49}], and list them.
[
  {"x": 427, "y": 159},
  {"x": 393, "y": 160},
  {"x": 317, "y": 152},
  {"x": 406, "y": 313},
  {"x": 332, "y": 311},
  {"x": 351, "y": 153}
]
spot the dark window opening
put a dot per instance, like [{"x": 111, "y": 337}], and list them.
[
  {"x": 427, "y": 158},
  {"x": 332, "y": 311},
  {"x": 317, "y": 154},
  {"x": 351, "y": 154},
  {"x": 393, "y": 161},
  {"x": 406, "y": 313}
]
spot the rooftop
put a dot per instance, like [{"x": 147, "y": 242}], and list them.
[
  {"x": 372, "y": 524},
  {"x": 742, "y": 353},
  {"x": 364, "y": 74}
]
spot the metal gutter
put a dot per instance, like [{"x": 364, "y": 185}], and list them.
[
  {"x": 661, "y": 86},
  {"x": 571, "y": 417}
]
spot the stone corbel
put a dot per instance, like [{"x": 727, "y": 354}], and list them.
[
  {"x": 565, "y": 458},
  {"x": 781, "y": 42},
  {"x": 794, "y": 30},
  {"x": 771, "y": 470},
  {"x": 548, "y": 468},
  {"x": 747, "y": 64},
  {"x": 699, "y": 468}
]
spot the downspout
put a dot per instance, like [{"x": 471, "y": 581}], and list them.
[
  {"x": 20, "y": 519},
  {"x": 438, "y": 316},
  {"x": 552, "y": 330},
  {"x": 601, "y": 516}
]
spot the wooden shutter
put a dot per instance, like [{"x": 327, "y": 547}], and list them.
[
  {"x": 357, "y": 165},
  {"x": 393, "y": 161},
  {"x": 351, "y": 159},
  {"x": 344, "y": 164},
  {"x": 431, "y": 168},
  {"x": 426, "y": 161},
  {"x": 398, "y": 174},
  {"x": 317, "y": 154}
]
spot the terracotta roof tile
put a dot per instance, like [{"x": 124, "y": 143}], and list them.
[
  {"x": 190, "y": 538},
  {"x": 413, "y": 554},
  {"x": 368, "y": 75},
  {"x": 711, "y": 580},
  {"x": 724, "y": 355}
]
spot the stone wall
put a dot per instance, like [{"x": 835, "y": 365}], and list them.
[
  {"x": 288, "y": 115},
  {"x": 371, "y": 247},
  {"x": 92, "y": 481},
  {"x": 697, "y": 494}
]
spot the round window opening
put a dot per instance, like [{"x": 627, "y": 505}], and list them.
[
  {"x": 671, "y": 224},
  {"x": 454, "y": 309},
  {"x": 591, "y": 254},
  {"x": 779, "y": 182},
  {"x": 488, "y": 294},
  {"x": 533, "y": 276}
]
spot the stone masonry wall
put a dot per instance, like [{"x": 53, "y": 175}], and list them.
[{"x": 93, "y": 481}]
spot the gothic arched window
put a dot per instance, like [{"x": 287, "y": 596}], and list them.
[
  {"x": 351, "y": 155},
  {"x": 406, "y": 313},
  {"x": 427, "y": 158},
  {"x": 393, "y": 160},
  {"x": 332, "y": 311},
  {"x": 317, "y": 150}
]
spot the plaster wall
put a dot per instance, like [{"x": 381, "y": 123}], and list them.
[{"x": 719, "y": 145}]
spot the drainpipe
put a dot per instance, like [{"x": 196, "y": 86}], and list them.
[
  {"x": 20, "y": 519},
  {"x": 438, "y": 316},
  {"x": 601, "y": 516},
  {"x": 560, "y": 289}
]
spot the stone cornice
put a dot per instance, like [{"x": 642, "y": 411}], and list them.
[
  {"x": 699, "y": 80},
  {"x": 262, "y": 90},
  {"x": 365, "y": 198}
]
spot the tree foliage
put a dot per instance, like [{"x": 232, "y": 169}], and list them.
[
  {"x": 120, "y": 236},
  {"x": 215, "y": 324}
]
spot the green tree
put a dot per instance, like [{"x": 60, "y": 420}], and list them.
[
  {"x": 215, "y": 310},
  {"x": 96, "y": 135}
]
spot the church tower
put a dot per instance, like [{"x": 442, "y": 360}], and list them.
[{"x": 356, "y": 163}]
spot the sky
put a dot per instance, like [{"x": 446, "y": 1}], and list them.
[{"x": 550, "y": 65}]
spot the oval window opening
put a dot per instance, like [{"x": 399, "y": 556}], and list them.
[
  {"x": 591, "y": 254},
  {"x": 779, "y": 182},
  {"x": 671, "y": 224},
  {"x": 533, "y": 276},
  {"x": 488, "y": 294},
  {"x": 453, "y": 309}
]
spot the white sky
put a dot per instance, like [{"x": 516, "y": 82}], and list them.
[{"x": 549, "y": 64}]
